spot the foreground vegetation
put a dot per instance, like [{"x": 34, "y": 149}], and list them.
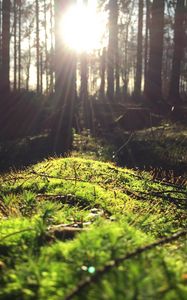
[{"x": 79, "y": 228}]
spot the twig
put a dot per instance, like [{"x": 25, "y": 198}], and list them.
[
  {"x": 166, "y": 192},
  {"x": 115, "y": 263},
  {"x": 124, "y": 144},
  {"x": 16, "y": 232},
  {"x": 58, "y": 177}
]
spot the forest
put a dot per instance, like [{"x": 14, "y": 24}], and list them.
[{"x": 93, "y": 149}]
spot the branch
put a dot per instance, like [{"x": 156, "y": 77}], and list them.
[
  {"x": 16, "y": 232},
  {"x": 115, "y": 263}
]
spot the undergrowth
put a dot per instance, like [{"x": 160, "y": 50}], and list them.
[{"x": 66, "y": 222}]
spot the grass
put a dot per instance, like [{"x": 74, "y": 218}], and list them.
[{"x": 65, "y": 219}]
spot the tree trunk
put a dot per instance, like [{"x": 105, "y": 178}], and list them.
[
  {"x": 19, "y": 44},
  {"x": 102, "y": 74},
  {"x": 113, "y": 19},
  {"x": 153, "y": 90},
  {"x": 138, "y": 81},
  {"x": 84, "y": 89},
  {"x": 146, "y": 42},
  {"x": 51, "y": 65},
  {"x": 179, "y": 44},
  {"x": 29, "y": 62},
  {"x": 46, "y": 47},
  {"x": 15, "y": 45},
  {"x": 41, "y": 72},
  {"x": 0, "y": 34},
  {"x": 37, "y": 49},
  {"x": 4, "y": 71},
  {"x": 65, "y": 80}
]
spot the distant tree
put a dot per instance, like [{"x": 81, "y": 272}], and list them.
[
  {"x": 37, "y": 48},
  {"x": 46, "y": 65},
  {"x": 112, "y": 47},
  {"x": 84, "y": 85},
  {"x": 102, "y": 74},
  {"x": 15, "y": 44},
  {"x": 50, "y": 56},
  {"x": 153, "y": 91},
  {"x": 19, "y": 2},
  {"x": 146, "y": 46},
  {"x": 5, "y": 62},
  {"x": 0, "y": 33},
  {"x": 138, "y": 79},
  {"x": 179, "y": 44}
]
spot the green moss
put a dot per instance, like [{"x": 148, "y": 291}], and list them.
[{"x": 119, "y": 211}]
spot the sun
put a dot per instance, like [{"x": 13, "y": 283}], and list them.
[{"x": 82, "y": 27}]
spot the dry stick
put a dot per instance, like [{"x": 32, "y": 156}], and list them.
[
  {"x": 57, "y": 177},
  {"x": 166, "y": 192},
  {"x": 115, "y": 263},
  {"x": 16, "y": 232}
]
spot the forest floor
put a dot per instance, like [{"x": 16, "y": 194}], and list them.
[{"x": 81, "y": 227}]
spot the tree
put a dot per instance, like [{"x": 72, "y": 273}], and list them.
[
  {"x": 65, "y": 79},
  {"x": 37, "y": 48},
  {"x": 4, "y": 68},
  {"x": 146, "y": 47},
  {"x": 112, "y": 47},
  {"x": 19, "y": 42},
  {"x": 102, "y": 74},
  {"x": 138, "y": 80},
  {"x": 153, "y": 90},
  {"x": 15, "y": 44},
  {"x": 179, "y": 44},
  {"x": 84, "y": 85}
]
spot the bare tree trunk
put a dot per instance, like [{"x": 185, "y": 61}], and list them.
[
  {"x": 117, "y": 73},
  {"x": 41, "y": 72},
  {"x": 37, "y": 49},
  {"x": 179, "y": 44},
  {"x": 146, "y": 42},
  {"x": 84, "y": 88},
  {"x": 4, "y": 71},
  {"x": 65, "y": 82},
  {"x": 153, "y": 90},
  {"x": 29, "y": 62},
  {"x": 15, "y": 45},
  {"x": 51, "y": 66},
  {"x": 138, "y": 81},
  {"x": 113, "y": 19},
  {"x": 102, "y": 74},
  {"x": 46, "y": 48},
  {"x": 19, "y": 44},
  {"x": 0, "y": 34}
]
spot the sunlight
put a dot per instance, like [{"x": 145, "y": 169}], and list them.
[{"x": 83, "y": 27}]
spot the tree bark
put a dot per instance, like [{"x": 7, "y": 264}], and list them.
[
  {"x": 146, "y": 42},
  {"x": 15, "y": 45},
  {"x": 51, "y": 66},
  {"x": 37, "y": 49},
  {"x": 138, "y": 81},
  {"x": 19, "y": 44},
  {"x": 102, "y": 74},
  {"x": 46, "y": 48},
  {"x": 65, "y": 82},
  {"x": 179, "y": 44},
  {"x": 153, "y": 91},
  {"x": 4, "y": 71},
  {"x": 113, "y": 19}
]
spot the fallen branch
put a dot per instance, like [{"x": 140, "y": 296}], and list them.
[
  {"x": 64, "y": 233},
  {"x": 16, "y": 232},
  {"x": 115, "y": 263}
]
